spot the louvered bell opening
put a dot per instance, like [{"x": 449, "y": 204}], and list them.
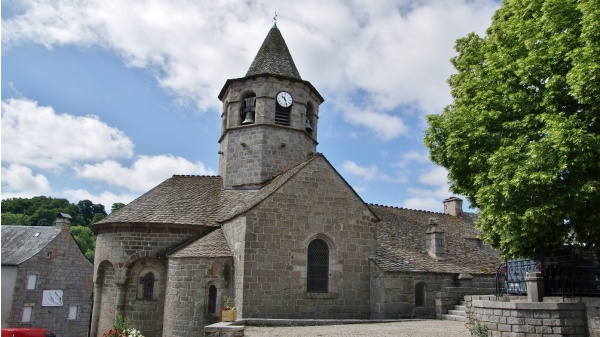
[
  {"x": 318, "y": 267},
  {"x": 282, "y": 116}
]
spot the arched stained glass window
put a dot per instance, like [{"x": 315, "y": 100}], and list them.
[{"x": 317, "y": 274}]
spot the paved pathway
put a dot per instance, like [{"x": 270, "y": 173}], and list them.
[{"x": 421, "y": 328}]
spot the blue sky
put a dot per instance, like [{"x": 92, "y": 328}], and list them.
[{"x": 103, "y": 100}]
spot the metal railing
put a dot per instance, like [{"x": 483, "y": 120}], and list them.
[{"x": 568, "y": 275}]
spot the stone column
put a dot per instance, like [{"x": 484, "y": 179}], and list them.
[
  {"x": 121, "y": 283},
  {"x": 121, "y": 292},
  {"x": 97, "y": 306},
  {"x": 535, "y": 286}
]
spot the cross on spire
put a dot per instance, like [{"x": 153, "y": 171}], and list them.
[{"x": 275, "y": 19}]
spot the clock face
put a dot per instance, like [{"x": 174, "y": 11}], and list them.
[{"x": 284, "y": 99}]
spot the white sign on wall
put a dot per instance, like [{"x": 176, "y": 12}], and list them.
[{"x": 52, "y": 298}]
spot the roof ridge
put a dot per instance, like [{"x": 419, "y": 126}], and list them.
[
  {"x": 413, "y": 209},
  {"x": 404, "y": 208}
]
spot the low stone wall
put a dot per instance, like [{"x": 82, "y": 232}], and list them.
[
  {"x": 520, "y": 318},
  {"x": 224, "y": 329},
  {"x": 592, "y": 311}
]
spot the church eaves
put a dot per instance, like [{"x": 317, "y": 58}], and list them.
[{"x": 274, "y": 57}]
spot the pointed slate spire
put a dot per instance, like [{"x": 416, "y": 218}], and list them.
[{"x": 274, "y": 57}]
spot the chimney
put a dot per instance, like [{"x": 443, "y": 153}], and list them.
[
  {"x": 63, "y": 220},
  {"x": 453, "y": 206},
  {"x": 434, "y": 240}
]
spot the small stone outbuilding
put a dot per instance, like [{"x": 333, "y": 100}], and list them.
[
  {"x": 279, "y": 229},
  {"x": 46, "y": 279}
]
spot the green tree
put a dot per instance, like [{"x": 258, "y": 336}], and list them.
[
  {"x": 41, "y": 210},
  {"x": 88, "y": 211},
  {"x": 116, "y": 206},
  {"x": 11, "y": 219},
  {"x": 86, "y": 240},
  {"x": 521, "y": 139}
]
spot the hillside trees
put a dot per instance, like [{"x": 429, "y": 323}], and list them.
[{"x": 521, "y": 139}]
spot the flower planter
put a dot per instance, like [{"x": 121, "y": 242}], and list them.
[{"x": 228, "y": 315}]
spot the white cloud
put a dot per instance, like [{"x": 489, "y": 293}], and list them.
[
  {"x": 396, "y": 52},
  {"x": 383, "y": 125},
  {"x": 145, "y": 173},
  {"x": 429, "y": 198},
  {"x": 105, "y": 198},
  {"x": 37, "y": 136},
  {"x": 366, "y": 173},
  {"x": 413, "y": 156},
  {"x": 19, "y": 181},
  {"x": 436, "y": 176}
]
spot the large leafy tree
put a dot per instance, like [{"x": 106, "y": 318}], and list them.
[
  {"x": 521, "y": 138},
  {"x": 91, "y": 212}
]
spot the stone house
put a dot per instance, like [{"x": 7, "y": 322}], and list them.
[
  {"x": 279, "y": 229},
  {"x": 46, "y": 279}
]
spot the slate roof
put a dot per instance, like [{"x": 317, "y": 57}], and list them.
[
  {"x": 20, "y": 243},
  {"x": 181, "y": 199},
  {"x": 213, "y": 244},
  {"x": 274, "y": 57},
  {"x": 401, "y": 243}
]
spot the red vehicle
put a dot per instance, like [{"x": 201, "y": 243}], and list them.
[{"x": 27, "y": 332}]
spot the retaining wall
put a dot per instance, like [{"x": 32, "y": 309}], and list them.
[{"x": 512, "y": 316}]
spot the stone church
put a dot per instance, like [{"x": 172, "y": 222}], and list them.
[{"x": 279, "y": 229}]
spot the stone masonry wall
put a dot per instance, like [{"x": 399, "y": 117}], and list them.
[
  {"x": 253, "y": 153},
  {"x": 507, "y": 318},
  {"x": 123, "y": 248},
  {"x": 316, "y": 203},
  {"x": 465, "y": 284},
  {"x": 393, "y": 294},
  {"x": 186, "y": 311},
  {"x": 59, "y": 266},
  {"x": 235, "y": 232},
  {"x": 592, "y": 309}
]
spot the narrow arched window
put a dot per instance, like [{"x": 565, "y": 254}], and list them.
[
  {"x": 420, "y": 290},
  {"x": 212, "y": 299},
  {"x": 317, "y": 273},
  {"x": 148, "y": 284}
]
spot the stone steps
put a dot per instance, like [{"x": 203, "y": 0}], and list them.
[{"x": 458, "y": 314}]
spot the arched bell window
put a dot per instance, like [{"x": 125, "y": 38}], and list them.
[
  {"x": 248, "y": 112},
  {"x": 310, "y": 118},
  {"x": 317, "y": 274}
]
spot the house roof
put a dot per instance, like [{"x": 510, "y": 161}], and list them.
[
  {"x": 213, "y": 244},
  {"x": 274, "y": 57},
  {"x": 20, "y": 243},
  {"x": 401, "y": 243}
]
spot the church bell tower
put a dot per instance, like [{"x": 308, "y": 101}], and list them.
[{"x": 269, "y": 119}]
